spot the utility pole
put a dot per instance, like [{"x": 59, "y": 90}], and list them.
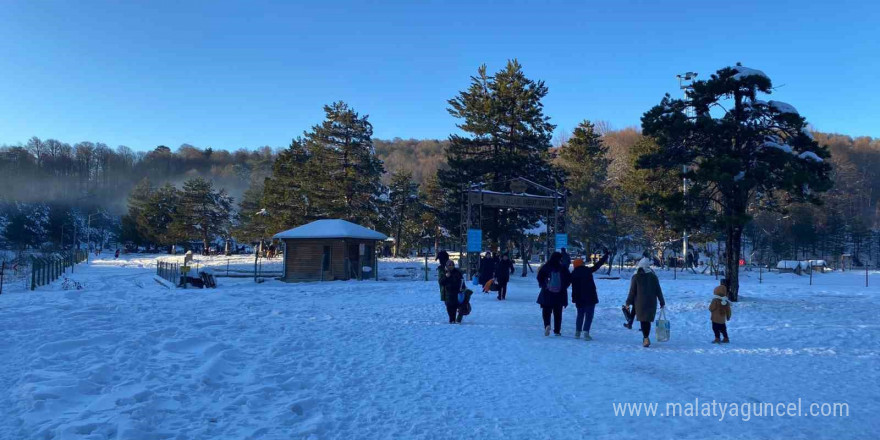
[{"x": 685, "y": 82}]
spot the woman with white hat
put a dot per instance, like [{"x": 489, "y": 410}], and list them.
[{"x": 644, "y": 293}]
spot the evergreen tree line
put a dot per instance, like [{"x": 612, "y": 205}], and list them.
[{"x": 778, "y": 192}]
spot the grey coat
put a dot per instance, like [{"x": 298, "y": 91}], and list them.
[{"x": 644, "y": 292}]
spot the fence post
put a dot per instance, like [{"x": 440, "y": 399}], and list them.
[{"x": 33, "y": 273}]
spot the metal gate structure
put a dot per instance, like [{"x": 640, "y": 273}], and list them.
[{"x": 518, "y": 193}]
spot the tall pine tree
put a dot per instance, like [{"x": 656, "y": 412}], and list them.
[
  {"x": 404, "y": 206},
  {"x": 507, "y": 135},
  {"x": 738, "y": 152},
  {"x": 583, "y": 159},
  {"x": 203, "y": 212},
  {"x": 331, "y": 172}
]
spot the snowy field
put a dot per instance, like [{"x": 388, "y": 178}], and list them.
[{"x": 127, "y": 358}]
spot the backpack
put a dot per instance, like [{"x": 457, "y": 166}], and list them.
[{"x": 555, "y": 283}]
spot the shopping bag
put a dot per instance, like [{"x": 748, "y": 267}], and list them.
[{"x": 662, "y": 326}]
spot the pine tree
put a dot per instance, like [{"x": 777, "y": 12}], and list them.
[
  {"x": 508, "y": 136},
  {"x": 26, "y": 225},
  {"x": 203, "y": 212},
  {"x": 403, "y": 200},
  {"x": 434, "y": 208},
  {"x": 739, "y": 152},
  {"x": 331, "y": 172},
  {"x": 155, "y": 217},
  {"x": 250, "y": 225},
  {"x": 138, "y": 199},
  {"x": 351, "y": 160},
  {"x": 583, "y": 159}
]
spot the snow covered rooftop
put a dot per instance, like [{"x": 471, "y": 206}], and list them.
[{"x": 332, "y": 228}]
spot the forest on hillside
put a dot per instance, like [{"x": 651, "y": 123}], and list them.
[{"x": 83, "y": 177}]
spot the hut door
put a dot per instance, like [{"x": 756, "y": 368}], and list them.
[
  {"x": 354, "y": 261},
  {"x": 326, "y": 267}
]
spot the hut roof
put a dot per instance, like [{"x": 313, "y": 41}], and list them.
[{"x": 332, "y": 228}]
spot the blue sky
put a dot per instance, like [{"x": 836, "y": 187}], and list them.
[{"x": 248, "y": 74}]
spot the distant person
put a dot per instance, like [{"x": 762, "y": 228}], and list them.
[
  {"x": 721, "y": 312},
  {"x": 116, "y": 255},
  {"x": 527, "y": 259},
  {"x": 565, "y": 260},
  {"x": 486, "y": 269},
  {"x": 503, "y": 270},
  {"x": 452, "y": 283},
  {"x": 644, "y": 293},
  {"x": 584, "y": 295},
  {"x": 554, "y": 279},
  {"x": 442, "y": 258}
]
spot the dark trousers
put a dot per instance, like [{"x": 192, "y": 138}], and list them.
[
  {"x": 585, "y": 318},
  {"x": 452, "y": 311},
  {"x": 502, "y": 289},
  {"x": 646, "y": 328},
  {"x": 557, "y": 317},
  {"x": 719, "y": 329}
]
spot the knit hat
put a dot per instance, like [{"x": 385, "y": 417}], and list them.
[
  {"x": 720, "y": 291},
  {"x": 578, "y": 262},
  {"x": 645, "y": 263}
]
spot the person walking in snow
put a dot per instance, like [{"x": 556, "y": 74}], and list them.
[
  {"x": 487, "y": 268},
  {"x": 644, "y": 293},
  {"x": 116, "y": 256},
  {"x": 503, "y": 270},
  {"x": 721, "y": 312},
  {"x": 451, "y": 283},
  {"x": 584, "y": 295},
  {"x": 442, "y": 258},
  {"x": 554, "y": 279}
]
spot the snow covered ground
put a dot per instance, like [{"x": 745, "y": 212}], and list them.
[{"x": 127, "y": 358}]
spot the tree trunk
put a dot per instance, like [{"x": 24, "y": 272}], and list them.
[{"x": 732, "y": 256}]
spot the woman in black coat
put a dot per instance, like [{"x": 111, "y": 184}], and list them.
[
  {"x": 451, "y": 282},
  {"x": 486, "y": 269},
  {"x": 503, "y": 270},
  {"x": 554, "y": 280},
  {"x": 584, "y": 296}
]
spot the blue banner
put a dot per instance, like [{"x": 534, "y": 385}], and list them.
[
  {"x": 561, "y": 241},
  {"x": 475, "y": 240}
]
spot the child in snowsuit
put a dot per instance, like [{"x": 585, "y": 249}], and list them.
[{"x": 720, "y": 308}]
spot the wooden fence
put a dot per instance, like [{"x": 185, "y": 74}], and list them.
[{"x": 44, "y": 270}]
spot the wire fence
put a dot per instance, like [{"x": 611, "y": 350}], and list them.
[
  {"x": 49, "y": 268},
  {"x": 168, "y": 271}
]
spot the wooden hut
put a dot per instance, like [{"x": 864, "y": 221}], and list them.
[{"x": 326, "y": 250}]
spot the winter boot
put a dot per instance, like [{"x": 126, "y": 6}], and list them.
[
  {"x": 587, "y": 336},
  {"x": 577, "y": 335},
  {"x": 726, "y": 340},
  {"x": 716, "y": 341},
  {"x": 547, "y": 330},
  {"x": 646, "y": 343}
]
